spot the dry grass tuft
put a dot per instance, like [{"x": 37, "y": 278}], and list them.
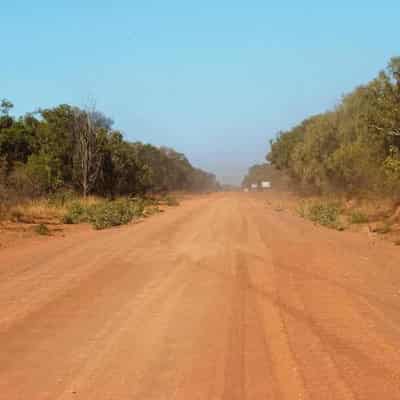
[
  {"x": 43, "y": 210},
  {"x": 35, "y": 210}
]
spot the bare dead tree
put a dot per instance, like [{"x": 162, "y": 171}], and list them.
[{"x": 88, "y": 149}]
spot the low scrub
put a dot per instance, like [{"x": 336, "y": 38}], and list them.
[
  {"x": 358, "y": 217},
  {"x": 77, "y": 212},
  {"x": 151, "y": 210},
  {"x": 34, "y": 210},
  {"x": 171, "y": 201},
  {"x": 323, "y": 213},
  {"x": 68, "y": 208},
  {"x": 105, "y": 214},
  {"x": 114, "y": 213},
  {"x": 42, "y": 229}
]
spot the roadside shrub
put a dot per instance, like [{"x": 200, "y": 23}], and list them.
[
  {"x": 171, "y": 201},
  {"x": 114, "y": 213},
  {"x": 147, "y": 201},
  {"x": 105, "y": 214},
  {"x": 67, "y": 219},
  {"x": 42, "y": 229},
  {"x": 76, "y": 213},
  {"x": 358, "y": 217},
  {"x": 323, "y": 213},
  {"x": 302, "y": 209},
  {"x": 151, "y": 210},
  {"x": 62, "y": 198}
]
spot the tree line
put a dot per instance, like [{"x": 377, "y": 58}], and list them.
[
  {"x": 352, "y": 148},
  {"x": 70, "y": 148}
]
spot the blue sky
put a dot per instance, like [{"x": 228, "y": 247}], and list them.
[{"x": 213, "y": 79}]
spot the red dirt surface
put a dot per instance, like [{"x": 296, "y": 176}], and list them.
[{"x": 224, "y": 297}]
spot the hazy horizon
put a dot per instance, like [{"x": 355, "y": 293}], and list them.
[{"x": 213, "y": 81}]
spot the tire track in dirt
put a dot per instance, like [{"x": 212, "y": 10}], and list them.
[
  {"x": 332, "y": 344},
  {"x": 235, "y": 360},
  {"x": 151, "y": 307}
]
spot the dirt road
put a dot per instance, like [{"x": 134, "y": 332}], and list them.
[{"x": 223, "y": 297}]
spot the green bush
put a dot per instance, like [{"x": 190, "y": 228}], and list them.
[
  {"x": 114, "y": 213},
  {"x": 76, "y": 213},
  {"x": 358, "y": 217},
  {"x": 323, "y": 213},
  {"x": 302, "y": 209},
  {"x": 147, "y": 201},
  {"x": 42, "y": 229},
  {"x": 108, "y": 213}
]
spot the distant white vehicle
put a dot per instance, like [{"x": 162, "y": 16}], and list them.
[
  {"x": 246, "y": 190},
  {"x": 254, "y": 186},
  {"x": 266, "y": 185}
]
